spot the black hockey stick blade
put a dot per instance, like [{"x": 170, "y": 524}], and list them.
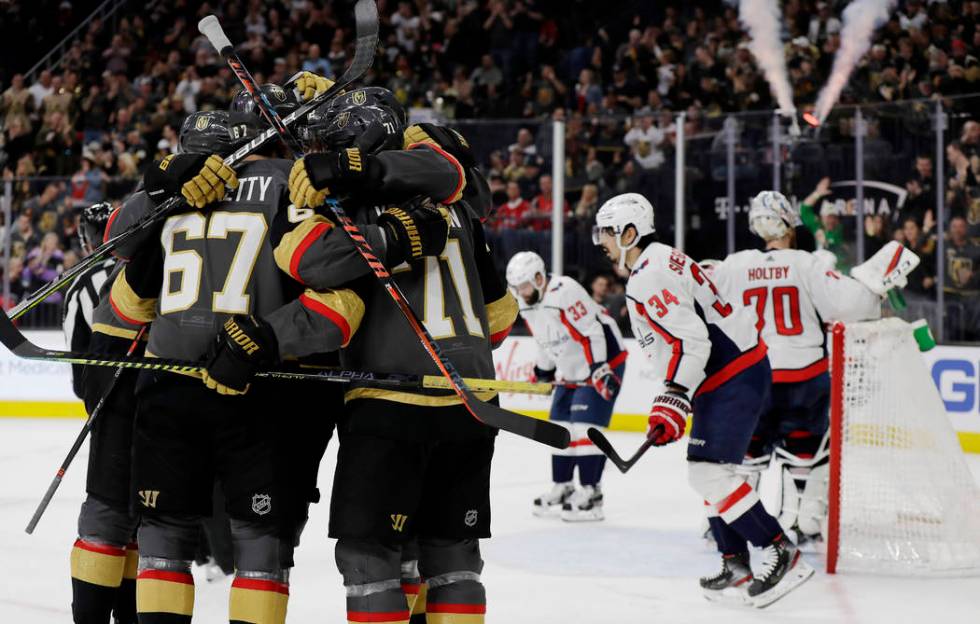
[
  {"x": 604, "y": 445},
  {"x": 542, "y": 431}
]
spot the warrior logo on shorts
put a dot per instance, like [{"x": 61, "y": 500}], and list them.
[
  {"x": 261, "y": 504},
  {"x": 471, "y": 518},
  {"x": 149, "y": 497},
  {"x": 398, "y": 522}
]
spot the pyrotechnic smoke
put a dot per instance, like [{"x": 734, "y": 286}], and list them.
[
  {"x": 861, "y": 18},
  {"x": 762, "y": 19}
]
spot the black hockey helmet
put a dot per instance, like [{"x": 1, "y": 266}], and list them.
[
  {"x": 284, "y": 101},
  {"x": 91, "y": 225},
  {"x": 216, "y": 132},
  {"x": 371, "y": 96},
  {"x": 371, "y": 128}
]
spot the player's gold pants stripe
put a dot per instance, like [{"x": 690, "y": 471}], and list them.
[
  {"x": 159, "y": 591},
  {"x": 258, "y": 601},
  {"x": 96, "y": 564},
  {"x": 132, "y": 562},
  {"x": 411, "y": 398}
]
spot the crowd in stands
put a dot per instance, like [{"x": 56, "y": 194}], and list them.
[{"x": 615, "y": 71}]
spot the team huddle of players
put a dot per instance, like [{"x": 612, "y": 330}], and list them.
[
  {"x": 252, "y": 272},
  {"x": 249, "y": 273},
  {"x": 741, "y": 347}
]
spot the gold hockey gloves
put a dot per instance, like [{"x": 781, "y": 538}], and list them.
[{"x": 200, "y": 178}]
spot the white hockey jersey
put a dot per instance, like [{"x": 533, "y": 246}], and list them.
[
  {"x": 792, "y": 294},
  {"x": 693, "y": 336},
  {"x": 573, "y": 332}
]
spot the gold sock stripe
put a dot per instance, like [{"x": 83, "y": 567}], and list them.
[
  {"x": 419, "y": 607},
  {"x": 132, "y": 562},
  {"x": 258, "y": 601},
  {"x": 448, "y": 613},
  {"x": 97, "y": 564},
  {"x": 162, "y": 591}
]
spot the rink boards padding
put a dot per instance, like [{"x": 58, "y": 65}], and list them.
[{"x": 31, "y": 389}]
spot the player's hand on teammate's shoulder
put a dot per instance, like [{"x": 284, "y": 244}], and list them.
[
  {"x": 244, "y": 344},
  {"x": 200, "y": 178},
  {"x": 668, "y": 417},
  {"x": 413, "y": 231}
]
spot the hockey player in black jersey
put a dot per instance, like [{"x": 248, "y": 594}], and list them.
[
  {"x": 411, "y": 465},
  {"x": 223, "y": 299},
  {"x": 103, "y": 558}
]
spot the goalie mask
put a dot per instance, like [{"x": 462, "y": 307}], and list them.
[
  {"x": 771, "y": 216},
  {"x": 619, "y": 213},
  {"x": 526, "y": 277}
]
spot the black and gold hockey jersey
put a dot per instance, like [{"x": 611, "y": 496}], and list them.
[{"x": 220, "y": 262}]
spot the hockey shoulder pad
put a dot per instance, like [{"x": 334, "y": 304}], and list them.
[{"x": 887, "y": 269}]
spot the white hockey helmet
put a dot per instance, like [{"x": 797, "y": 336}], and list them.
[
  {"x": 771, "y": 216},
  {"x": 621, "y": 212},
  {"x": 523, "y": 268}
]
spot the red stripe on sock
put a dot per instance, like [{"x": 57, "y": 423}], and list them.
[
  {"x": 166, "y": 575},
  {"x": 102, "y": 549},
  {"x": 741, "y": 492},
  {"x": 455, "y": 608},
  {"x": 260, "y": 585}
]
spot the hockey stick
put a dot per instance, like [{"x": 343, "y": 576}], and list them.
[
  {"x": 19, "y": 345},
  {"x": 540, "y": 431},
  {"x": 366, "y": 19},
  {"x": 604, "y": 445},
  {"x": 86, "y": 428}
]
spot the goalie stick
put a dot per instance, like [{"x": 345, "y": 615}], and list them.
[
  {"x": 604, "y": 445},
  {"x": 19, "y": 345},
  {"x": 366, "y": 22},
  {"x": 86, "y": 428},
  {"x": 541, "y": 431}
]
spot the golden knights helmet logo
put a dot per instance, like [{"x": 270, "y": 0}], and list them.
[
  {"x": 343, "y": 119},
  {"x": 202, "y": 122},
  {"x": 359, "y": 97},
  {"x": 277, "y": 92}
]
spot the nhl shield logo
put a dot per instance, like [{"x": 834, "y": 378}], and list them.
[
  {"x": 471, "y": 517},
  {"x": 359, "y": 97},
  {"x": 261, "y": 504},
  {"x": 202, "y": 122}
]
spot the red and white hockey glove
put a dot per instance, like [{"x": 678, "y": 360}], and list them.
[
  {"x": 605, "y": 381},
  {"x": 668, "y": 417}
]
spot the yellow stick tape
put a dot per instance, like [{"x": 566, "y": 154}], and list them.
[{"x": 969, "y": 440}]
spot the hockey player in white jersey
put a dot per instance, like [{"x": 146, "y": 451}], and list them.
[
  {"x": 714, "y": 366},
  {"x": 577, "y": 341},
  {"x": 792, "y": 294}
]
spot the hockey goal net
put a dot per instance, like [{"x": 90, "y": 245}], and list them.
[{"x": 902, "y": 499}]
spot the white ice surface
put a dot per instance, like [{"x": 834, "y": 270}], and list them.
[{"x": 640, "y": 565}]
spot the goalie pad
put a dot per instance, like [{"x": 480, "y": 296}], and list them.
[{"x": 886, "y": 269}]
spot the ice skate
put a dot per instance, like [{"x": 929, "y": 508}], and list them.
[
  {"x": 584, "y": 505},
  {"x": 550, "y": 503},
  {"x": 783, "y": 570},
  {"x": 731, "y": 582}
]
